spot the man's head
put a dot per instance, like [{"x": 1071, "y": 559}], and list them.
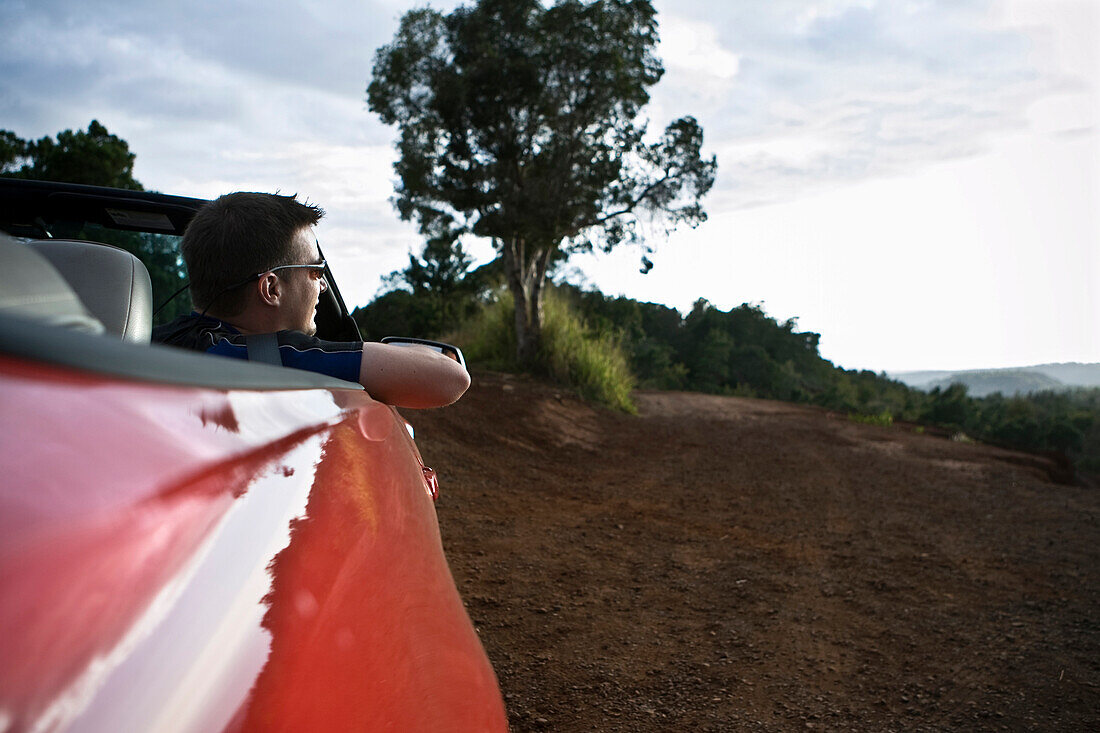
[{"x": 242, "y": 235}]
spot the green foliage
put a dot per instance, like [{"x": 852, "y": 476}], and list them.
[
  {"x": 949, "y": 407},
  {"x": 646, "y": 331},
  {"x": 742, "y": 351},
  {"x": 13, "y": 153},
  {"x": 883, "y": 419},
  {"x": 396, "y": 313},
  {"x": 520, "y": 122},
  {"x": 94, "y": 157},
  {"x": 488, "y": 339},
  {"x": 592, "y": 363},
  {"x": 574, "y": 354},
  {"x": 432, "y": 296},
  {"x": 1062, "y": 421}
]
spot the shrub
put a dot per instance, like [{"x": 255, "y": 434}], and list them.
[
  {"x": 884, "y": 419},
  {"x": 488, "y": 339},
  {"x": 592, "y": 363},
  {"x": 573, "y": 354}
]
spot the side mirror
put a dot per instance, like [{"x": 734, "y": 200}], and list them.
[{"x": 448, "y": 350}]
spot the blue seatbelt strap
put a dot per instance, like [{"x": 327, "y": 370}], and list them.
[{"x": 263, "y": 347}]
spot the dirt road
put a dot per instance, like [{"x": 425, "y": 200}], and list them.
[{"x": 732, "y": 564}]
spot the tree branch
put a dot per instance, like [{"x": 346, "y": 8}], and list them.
[{"x": 626, "y": 210}]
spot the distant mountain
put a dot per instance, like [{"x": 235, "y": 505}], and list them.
[
  {"x": 1072, "y": 374},
  {"x": 1020, "y": 380},
  {"x": 1005, "y": 381},
  {"x": 919, "y": 380}
]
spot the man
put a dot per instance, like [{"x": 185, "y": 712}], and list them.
[{"x": 255, "y": 268}]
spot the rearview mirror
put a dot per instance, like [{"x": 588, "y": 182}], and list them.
[{"x": 448, "y": 350}]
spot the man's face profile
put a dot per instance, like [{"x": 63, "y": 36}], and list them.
[{"x": 303, "y": 287}]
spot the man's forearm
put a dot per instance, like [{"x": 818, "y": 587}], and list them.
[{"x": 411, "y": 376}]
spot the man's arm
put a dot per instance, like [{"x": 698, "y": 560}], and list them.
[{"x": 411, "y": 376}]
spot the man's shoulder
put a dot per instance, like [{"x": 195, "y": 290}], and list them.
[
  {"x": 340, "y": 359},
  {"x": 304, "y": 342},
  {"x": 194, "y": 331}
]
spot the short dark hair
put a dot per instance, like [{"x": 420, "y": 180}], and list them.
[{"x": 237, "y": 235}]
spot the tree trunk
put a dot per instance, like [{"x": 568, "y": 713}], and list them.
[{"x": 526, "y": 271}]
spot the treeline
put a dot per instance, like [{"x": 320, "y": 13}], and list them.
[{"x": 745, "y": 352}]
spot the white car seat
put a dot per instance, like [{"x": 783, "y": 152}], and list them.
[
  {"x": 112, "y": 283},
  {"x": 31, "y": 288}
]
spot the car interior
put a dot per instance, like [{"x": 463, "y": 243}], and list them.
[
  {"x": 89, "y": 305},
  {"x": 111, "y": 283}
]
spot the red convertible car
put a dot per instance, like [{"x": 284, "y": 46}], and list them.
[{"x": 190, "y": 543}]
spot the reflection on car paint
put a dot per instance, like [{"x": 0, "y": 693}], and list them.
[
  {"x": 214, "y": 616},
  {"x": 134, "y": 564}
]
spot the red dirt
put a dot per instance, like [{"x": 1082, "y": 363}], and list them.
[{"x": 718, "y": 563}]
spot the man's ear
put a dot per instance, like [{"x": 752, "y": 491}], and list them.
[{"x": 269, "y": 289}]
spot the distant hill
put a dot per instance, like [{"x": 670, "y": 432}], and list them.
[
  {"x": 1072, "y": 374},
  {"x": 1019, "y": 380},
  {"x": 1005, "y": 381}
]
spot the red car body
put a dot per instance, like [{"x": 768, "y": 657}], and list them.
[{"x": 182, "y": 557}]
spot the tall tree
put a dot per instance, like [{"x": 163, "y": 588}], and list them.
[
  {"x": 521, "y": 123},
  {"x": 95, "y": 157}
]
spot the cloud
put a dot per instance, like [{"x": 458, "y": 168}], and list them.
[
  {"x": 218, "y": 75},
  {"x": 692, "y": 51},
  {"x": 836, "y": 91},
  {"x": 325, "y": 46}
]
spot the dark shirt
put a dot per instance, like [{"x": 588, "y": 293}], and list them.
[{"x": 340, "y": 359}]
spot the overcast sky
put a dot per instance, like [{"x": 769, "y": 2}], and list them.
[{"x": 915, "y": 180}]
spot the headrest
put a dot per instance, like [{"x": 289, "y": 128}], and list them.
[
  {"x": 30, "y": 287},
  {"x": 112, "y": 283}
]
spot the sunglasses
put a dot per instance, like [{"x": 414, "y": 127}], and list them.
[{"x": 316, "y": 270}]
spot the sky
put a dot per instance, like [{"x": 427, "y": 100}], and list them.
[{"x": 915, "y": 180}]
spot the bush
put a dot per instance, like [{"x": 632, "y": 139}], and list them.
[
  {"x": 574, "y": 355},
  {"x": 883, "y": 419},
  {"x": 592, "y": 363},
  {"x": 488, "y": 339}
]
